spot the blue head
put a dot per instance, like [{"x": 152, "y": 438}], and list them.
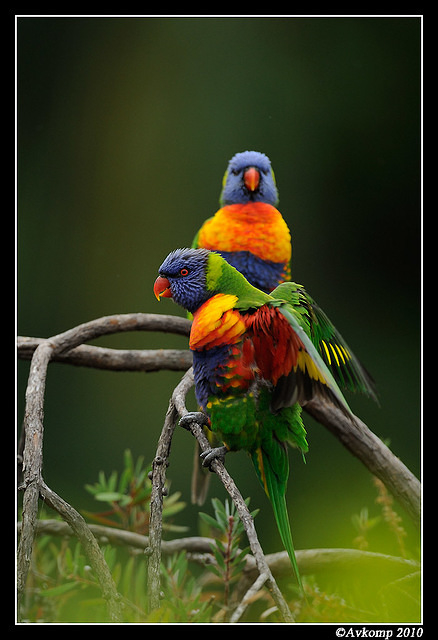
[
  {"x": 249, "y": 178},
  {"x": 182, "y": 276}
]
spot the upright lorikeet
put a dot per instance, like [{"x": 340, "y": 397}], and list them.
[
  {"x": 251, "y": 234},
  {"x": 254, "y": 365},
  {"x": 248, "y": 230}
]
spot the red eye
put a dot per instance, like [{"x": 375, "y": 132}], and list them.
[{"x": 184, "y": 272}]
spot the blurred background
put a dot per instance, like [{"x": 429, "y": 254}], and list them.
[{"x": 125, "y": 128}]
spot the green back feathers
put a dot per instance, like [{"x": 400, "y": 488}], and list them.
[{"x": 221, "y": 277}]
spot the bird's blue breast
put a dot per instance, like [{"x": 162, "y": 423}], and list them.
[
  {"x": 263, "y": 274},
  {"x": 206, "y": 372}
]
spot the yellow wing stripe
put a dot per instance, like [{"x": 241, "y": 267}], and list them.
[
  {"x": 327, "y": 352},
  {"x": 345, "y": 352},
  {"x": 340, "y": 353},
  {"x": 335, "y": 354}
]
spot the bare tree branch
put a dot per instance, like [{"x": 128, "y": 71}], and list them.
[
  {"x": 32, "y": 459},
  {"x": 310, "y": 561},
  {"x": 113, "y": 359},
  {"x": 122, "y": 537},
  {"x": 158, "y": 480}
]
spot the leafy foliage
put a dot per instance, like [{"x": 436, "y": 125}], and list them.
[
  {"x": 227, "y": 529},
  {"x": 129, "y": 498},
  {"x": 183, "y": 600},
  {"x": 206, "y": 588}
]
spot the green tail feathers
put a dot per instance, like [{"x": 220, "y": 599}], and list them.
[{"x": 272, "y": 467}]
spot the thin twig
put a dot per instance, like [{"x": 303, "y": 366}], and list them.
[
  {"x": 158, "y": 479},
  {"x": 248, "y": 597}
]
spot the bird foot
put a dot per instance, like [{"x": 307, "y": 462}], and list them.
[
  {"x": 217, "y": 453},
  {"x": 194, "y": 416}
]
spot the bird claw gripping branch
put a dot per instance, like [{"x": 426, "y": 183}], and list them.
[
  {"x": 192, "y": 417},
  {"x": 217, "y": 453}
]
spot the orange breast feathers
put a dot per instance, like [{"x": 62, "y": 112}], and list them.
[
  {"x": 256, "y": 226},
  {"x": 216, "y": 323}
]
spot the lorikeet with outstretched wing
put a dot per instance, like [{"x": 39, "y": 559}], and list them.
[
  {"x": 248, "y": 230},
  {"x": 254, "y": 366}
]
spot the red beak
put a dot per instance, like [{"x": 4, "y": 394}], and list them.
[
  {"x": 251, "y": 178},
  {"x": 162, "y": 288}
]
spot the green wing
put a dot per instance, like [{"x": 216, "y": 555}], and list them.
[
  {"x": 311, "y": 377},
  {"x": 346, "y": 369}
]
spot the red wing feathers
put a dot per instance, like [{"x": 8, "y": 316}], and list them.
[{"x": 276, "y": 345}]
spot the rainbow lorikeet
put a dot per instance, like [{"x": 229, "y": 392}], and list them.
[
  {"x": 254, "y": 365},
  {"x": 248, "y": 230},
  {"x": 251, "y": 234}
]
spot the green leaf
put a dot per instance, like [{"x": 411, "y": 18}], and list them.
[
  {"x": 208, "y": 520},
  {"x": 124, "y": 480},
  {"x": 219, "y": 559},
  {"x": 128, "y": 461},
  {"x": 171, "y": 509},
  {"x": 112, "y": 481},
  {"x": 109, "y": 496}
]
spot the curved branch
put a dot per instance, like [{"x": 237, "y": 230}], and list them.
[
  {"x": 122, "y": 537},
  {"x": 119, "y": 323},
  {"x": 86, "y": 355},
  {"x": 310, "y": 561}
]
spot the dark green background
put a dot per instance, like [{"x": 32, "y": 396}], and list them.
[{"x": 125, "y": 127}]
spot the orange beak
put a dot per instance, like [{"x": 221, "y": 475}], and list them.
[
  {"x": 162, "y": 288},
  {"x": 251, "y": 178}
]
